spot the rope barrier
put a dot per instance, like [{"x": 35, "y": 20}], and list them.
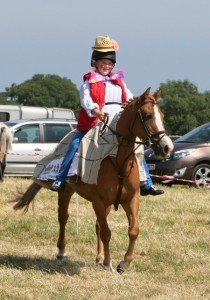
[
  {"x": 35, "y": 154},
  {"x": 20, "y": 154},
  {"x": 167, "y": 179}
]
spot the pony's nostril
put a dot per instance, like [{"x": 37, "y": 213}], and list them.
[{"x": 166, "y": 149}]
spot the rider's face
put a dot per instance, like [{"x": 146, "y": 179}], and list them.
[{"x": 104, "y": 66}]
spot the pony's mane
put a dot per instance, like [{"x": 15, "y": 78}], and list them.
[{"x": 131, "y": 102}]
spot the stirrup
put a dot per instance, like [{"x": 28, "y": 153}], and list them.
[{"x": 57, "y": 186}]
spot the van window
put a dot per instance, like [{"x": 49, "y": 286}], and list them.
[
  {"x": 27, "y": 134},
  {"x": 4, "y": 116},
  {"x": 53, "y": 133}
]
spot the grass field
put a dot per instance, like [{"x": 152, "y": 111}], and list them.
[{"x": 172, "y": 252}]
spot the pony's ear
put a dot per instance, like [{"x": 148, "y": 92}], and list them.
[
  {"x": 147, "y": 92},
  {"x": 157, "y": 95}
]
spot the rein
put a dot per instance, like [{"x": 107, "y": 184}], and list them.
[{"x": 114, "y": 132}]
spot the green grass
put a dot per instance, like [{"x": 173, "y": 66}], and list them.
[{"x": 172, "y": 252}]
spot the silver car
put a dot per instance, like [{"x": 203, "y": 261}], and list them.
[{"x": 33, "y": 140}]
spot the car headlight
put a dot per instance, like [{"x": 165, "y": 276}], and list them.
[{"x": 182, "y": 153}]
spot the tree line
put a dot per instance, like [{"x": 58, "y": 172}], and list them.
[{"x": 183, "y": 106}]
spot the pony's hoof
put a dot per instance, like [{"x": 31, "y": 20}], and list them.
[
  {"x": 108, "y": 268},
  {"x": 99, "y": 261},
  {"x": 120, "y": 268},
  {"x": 61, "y": 256}
]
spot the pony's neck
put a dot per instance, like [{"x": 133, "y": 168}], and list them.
[
  {"x": 130, "y": 124},
  {"x": 123, "y": 126}
]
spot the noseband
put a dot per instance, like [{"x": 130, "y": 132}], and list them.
[{"x": 153, "y": 138}]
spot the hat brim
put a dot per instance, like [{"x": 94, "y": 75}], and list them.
[{"x": 104, "y": 49}]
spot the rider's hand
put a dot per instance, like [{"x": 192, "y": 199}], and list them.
[{"x": 99, "y": 114}]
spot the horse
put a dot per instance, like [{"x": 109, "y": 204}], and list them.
[
  {"x": 5, "y": 144},
  {"x": 117, "y": 181}
]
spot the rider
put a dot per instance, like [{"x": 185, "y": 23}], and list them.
[{"x": 102, "y": 91}]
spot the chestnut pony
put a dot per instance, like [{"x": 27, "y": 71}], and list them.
[
  {"x": 118, "y": 179},
  {"x": 5, "y": 144}
]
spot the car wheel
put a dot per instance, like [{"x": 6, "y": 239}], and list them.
[{"x": 201, "y": 174}]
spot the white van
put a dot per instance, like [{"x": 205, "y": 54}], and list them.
[
  {"x": 14, "y": 112},
  {"x": 33, "y": 140}
]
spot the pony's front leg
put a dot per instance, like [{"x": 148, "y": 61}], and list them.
[
  {"x": 131, "y": 210},
  {"x": 63, "y": 204},
  {"x": 103, "y": 235}
]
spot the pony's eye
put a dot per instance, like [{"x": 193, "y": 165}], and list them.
[{"x": 148, "y": 116}]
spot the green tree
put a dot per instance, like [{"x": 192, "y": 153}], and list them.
[
  {"x": 183, "y": 106},
  {"x": 45, "y": 90},
  {"x": 3, "y": 98}
]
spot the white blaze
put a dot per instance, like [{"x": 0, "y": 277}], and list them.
[
  {"x": 158, "y": 119},
  {"x": 165, "y": 141}
]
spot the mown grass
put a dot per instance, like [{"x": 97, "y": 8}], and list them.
[{"x": 172, "y": 252}]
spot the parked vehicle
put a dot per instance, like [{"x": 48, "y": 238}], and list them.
[
  {"x": 174, "y": 137},
  {"x": 189, "y": 162},
  {"x": 14, "y": 112},
  {"x": 33, "y": 140}
]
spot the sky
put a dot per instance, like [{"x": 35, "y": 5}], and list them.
[{"x": 160, "y": 40}]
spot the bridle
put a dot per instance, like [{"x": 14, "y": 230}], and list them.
[{"x": 153, "y": 138}]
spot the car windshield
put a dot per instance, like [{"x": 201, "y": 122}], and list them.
[{"x": 200, "y": 134}]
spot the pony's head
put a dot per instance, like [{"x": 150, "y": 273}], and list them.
[{"x": 152, "y": 121}]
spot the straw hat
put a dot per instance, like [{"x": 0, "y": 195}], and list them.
[{"x": 105, "y": 44}]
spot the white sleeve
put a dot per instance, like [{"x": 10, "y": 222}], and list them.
[
  {"x": 86, "y": 100},
  {"x": 128, "y": 92}
]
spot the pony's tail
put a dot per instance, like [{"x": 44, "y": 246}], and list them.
[
  {"x": 5, "y": 139},
  {"x": 24, "y": 200}
]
